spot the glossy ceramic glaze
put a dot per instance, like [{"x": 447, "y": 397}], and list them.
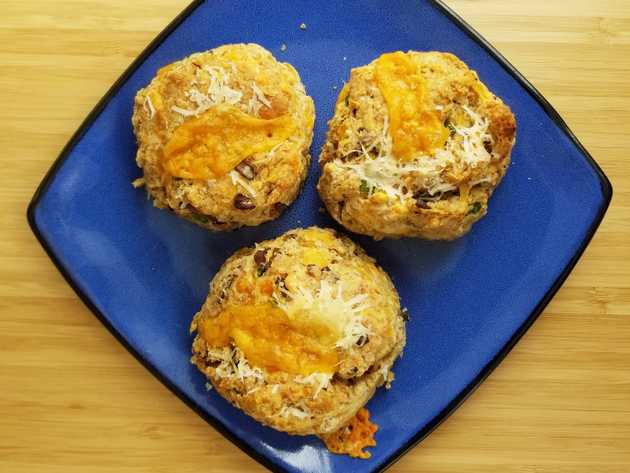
[{"x": 145, "y": 273}]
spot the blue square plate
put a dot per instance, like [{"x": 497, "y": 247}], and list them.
[{"x": 144, "y": 272}]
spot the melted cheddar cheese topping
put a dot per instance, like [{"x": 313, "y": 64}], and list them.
[
  {"x": 272, "y": 340},
  {"x": 317, "y": 256},
  {"x": 414, "y": 124},
  {"x": 354, "y": 437},
  {"x": 316, "y": 235},
  {"x": 210, "y": 145}
]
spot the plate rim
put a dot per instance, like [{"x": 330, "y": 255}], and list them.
[{"x": 488, "y": 368}]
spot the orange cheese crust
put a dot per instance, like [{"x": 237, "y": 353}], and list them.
[
  {"x": 271, "y": 340},
  {"x": 353, "y": 438},
  {"x": 211, "y": 145}
]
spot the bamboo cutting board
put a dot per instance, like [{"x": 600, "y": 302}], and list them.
[{"x": 73, "y": 400}]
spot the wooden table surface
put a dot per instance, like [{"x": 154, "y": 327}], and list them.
[{"x": 73, "y": 400}]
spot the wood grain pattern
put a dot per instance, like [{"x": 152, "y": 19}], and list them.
[{"x": 73, "y": 400}]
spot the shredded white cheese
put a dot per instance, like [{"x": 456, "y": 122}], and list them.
[
  {"x": 273, "y": 150},
  {"x": 257, "y": 100},
  {"x": 183, "y": 111},
  {"x": 260, "y": 96},
  {"x": 384, "y": 372},
  {"x": 328, "y": 303},
  {"x": 218, "y": 92},
  {"x": 229, "y": 368},
  {"x": 481, "y": 180},
  {"x": 353, "y": 331},
  {"x": 322, "y": 380},
  {"x": 253, "y": 106},
  {"x": 148, "y": 106},
  {"x": 238, "y": 180},
  {"x": 384, "y": 172},
  {"x": 293, "y": 411},
  {"x": 244, "y": 370}
]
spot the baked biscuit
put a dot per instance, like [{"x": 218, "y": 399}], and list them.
[
  {"x": 224, "y": 136},
  {"x": 299, "y": 331},
  {"x": 415, "y": 148}
]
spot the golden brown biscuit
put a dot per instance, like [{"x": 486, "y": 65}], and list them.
[
  {"x": 224, "y": 136},
  {"x": 299, "y": 331},
  {"x": 415, "y": 148}
]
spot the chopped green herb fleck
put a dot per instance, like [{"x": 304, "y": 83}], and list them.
[
  {"x": 201, "y": 219},
  {"x": 364, "y": 188},
  {"x": 474, "y": 208}
]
